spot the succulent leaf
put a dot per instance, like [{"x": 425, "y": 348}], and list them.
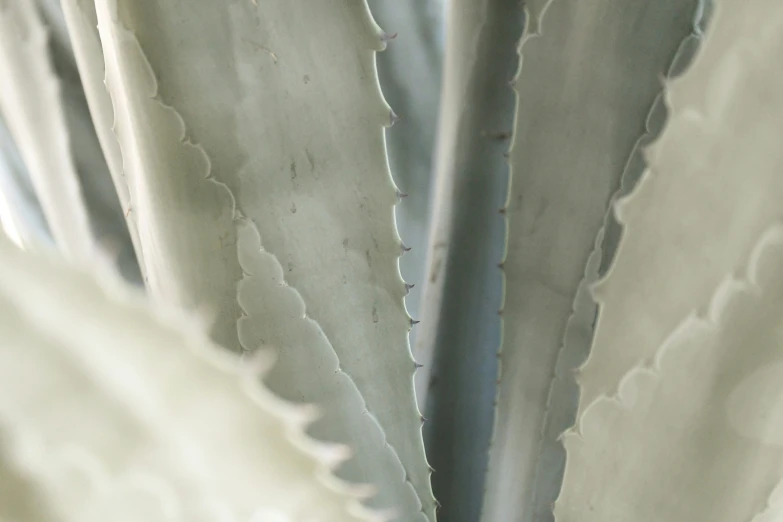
[
  {"x": 113, "y": 410},
  {"x": 588, "y": 76}
]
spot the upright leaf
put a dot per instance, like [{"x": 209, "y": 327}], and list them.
[
  {"x": 33, "y": 111},
  {"x": 563, "y": 395},
  {"x": 410, "y": 73},
  {"x": 697, "y": 435},
  {"x": 252, "y": 144},
  {"x": 106, "y": 212},
  {"x": 589, "y": 74},
  {"x": 460, "y": 328},
  {"x": 82, "y": 22},
  {"x": 711, "y": 188},
  {"x": 687, "y": 349},
  {"x": 22, "y": 206}
]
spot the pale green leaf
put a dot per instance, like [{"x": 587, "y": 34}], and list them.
[
  {"x": 563, "y": 397},
  {"x": 22, "y": 212},
  {"x": 111, "y": 410},
  {"x": 695, "y": 435},
  {"x": 106, "y": 213},
  {"x": 460, "y": 330},
  {"x": 82, "y": 21},
  {"x": 681, "y": 416},
  {"x": 410, "y": 72},
  {"x": 589, "y": 74},
  {"x": 32, "y": 109},
  {"x": 237, "y": 122},
  {"x": 712, "y": 186}
]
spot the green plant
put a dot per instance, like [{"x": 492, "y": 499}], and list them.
[{"x": 618, "y": 203}]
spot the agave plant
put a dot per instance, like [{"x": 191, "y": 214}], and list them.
[{"x": 202, "y": 301}]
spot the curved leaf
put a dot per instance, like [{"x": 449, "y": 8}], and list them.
[
  {"x": 112, "y": 410},
  {"x": 697, "y": 435}
]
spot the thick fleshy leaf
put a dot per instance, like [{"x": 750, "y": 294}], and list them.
[
  {"x": 460, "y": 328},
  {"x": 711, "y": 188},
  {"x": 22, "y": 211},
  {"x": 410, "y": 72},
  {"x": 111, "y": 410},
  {"x": 81, "y": 21},
  {"x": 106, "y": 214},
  {"x": 184, "y": 217},
  {"x": 681, "y": 419},
  {"x": 252, "y": 145},
  {"x": 563, "y": 397},
  {"x": 33, "y": 111},
  {"x": 589, "y": 74},
  {"x": 698, "y": 434}
]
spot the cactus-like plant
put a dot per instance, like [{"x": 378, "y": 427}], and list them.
[{"x": 605, "y": 176}]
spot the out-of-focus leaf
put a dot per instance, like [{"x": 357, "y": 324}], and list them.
[
  {"x": 697, "y": 435},
  {"x": 111, "y": 410},
  {"x": 107, "y": 216},
  {"x": 33, "y": 111}
]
